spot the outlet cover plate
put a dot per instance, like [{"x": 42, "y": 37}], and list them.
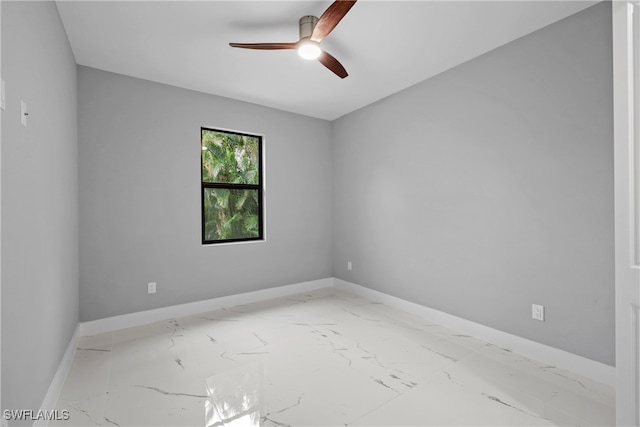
[
  {"x": 537, "y": 312},
  {"x": 23, "y": 113},
  {"x": 151, "y": 287}
]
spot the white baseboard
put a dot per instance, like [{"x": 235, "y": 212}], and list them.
[
  {"x": 53, "y": 393},
  {"x": 149, "y": 316},
  {"x": 588, "y": 368},
  {"x": 580, "y": 365}
]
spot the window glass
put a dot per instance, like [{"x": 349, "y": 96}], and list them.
[{"x": 231, "y": 171}]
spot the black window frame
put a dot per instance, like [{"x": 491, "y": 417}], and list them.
[{"x": 231, "y": 186}]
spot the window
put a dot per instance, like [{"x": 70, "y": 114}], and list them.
[{"x": 231, "y": 186}]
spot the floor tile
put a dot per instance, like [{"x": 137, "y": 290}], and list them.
[{"x": 319, "y": 358}]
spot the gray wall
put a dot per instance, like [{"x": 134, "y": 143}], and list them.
[
  {"x": 490, "y": 187},
  {"x": 139, "y": 168},
  {"x": 39, "y": 201}
]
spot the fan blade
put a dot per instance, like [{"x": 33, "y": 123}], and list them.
[
  {"x": 333, "y": 64},
  {"x": 264, "y": 46},
  {"x": 330, "y": 19}
]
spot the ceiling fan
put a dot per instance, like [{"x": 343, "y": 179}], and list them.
[{"x": 312, "y": 31}]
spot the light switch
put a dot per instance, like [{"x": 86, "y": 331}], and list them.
[{"x": 3, "y": 96}]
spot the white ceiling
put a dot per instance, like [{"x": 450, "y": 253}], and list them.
[{"x": 386, "y": 46}]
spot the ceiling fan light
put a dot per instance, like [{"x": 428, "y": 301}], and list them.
[{"x": 309, "y": 50}]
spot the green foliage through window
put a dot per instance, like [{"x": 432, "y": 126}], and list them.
[{"x": 231, "y": 186}]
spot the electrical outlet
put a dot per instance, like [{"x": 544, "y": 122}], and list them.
[
  {"x": 349, "y": 265},
  {"x": 23, "y": 113},
  {"x": 537, "y": 312},
  {"x": 151, "y": 287}
]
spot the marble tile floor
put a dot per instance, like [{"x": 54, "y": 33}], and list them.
[{"x": 322, "y": 358}]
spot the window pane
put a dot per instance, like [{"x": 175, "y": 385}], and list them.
[
  {"x": 230, "y": 157},
  {"x": 231, "y": 214}
]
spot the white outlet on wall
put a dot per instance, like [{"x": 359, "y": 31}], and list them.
[
  {"x": 151, "y": 287},
  {"x": 23, "y": 113},
  {"x": 349, "y": 265},
  {"x": 537, "y": 312}
]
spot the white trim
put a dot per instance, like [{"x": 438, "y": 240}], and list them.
[
  {"x": 53, "y": 393},
  {"x": 580, "y": 365},
  {"x": 626, "y": 149},
  {"x": 164, "y": 313},
  {"x": 562, "y": 359},
  {"x": 3, "y": 422}
]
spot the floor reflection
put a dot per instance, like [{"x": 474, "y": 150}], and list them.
[{"x": 234, "y": 397}]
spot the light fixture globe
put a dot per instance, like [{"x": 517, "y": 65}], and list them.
[{"x": 308, "y": 49}]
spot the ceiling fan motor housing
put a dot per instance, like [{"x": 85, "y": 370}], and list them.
[{"x": 307, "y": 24}]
